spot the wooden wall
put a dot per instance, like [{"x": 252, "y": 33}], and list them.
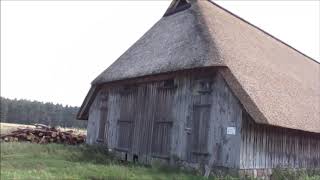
[
  {"x": 93, "y": 121},
  {"x": 264, "y": 146},
  {"x": 98, "y": 113},
  {"x": 226, "y": 112},
  {"x": 183, "y": 116}
]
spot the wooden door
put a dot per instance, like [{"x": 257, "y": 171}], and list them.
[
  {"x": 103, "y": 119},
  {"x": 127, "y": 119},
  {"x": 125, "y": 128},
  {"x": 145, "y": 123},
  {"x": 198, "y": 133},
  {"x": 161, "y": 141},
  {"x": 163, "y": 120},
  {"x": 198, "y": 123}
]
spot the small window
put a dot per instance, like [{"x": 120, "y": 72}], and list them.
[
  {"x": 168, "y": 84},
  {"x": 177, "y": 6},
  {"x": 204, "y": 86},
  {"x": 127, "y": 89}
]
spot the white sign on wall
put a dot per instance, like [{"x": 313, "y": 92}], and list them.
[{"x": 231, "y": 130}]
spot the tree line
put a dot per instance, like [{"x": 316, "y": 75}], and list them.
[{"x": 30, "y": 112}]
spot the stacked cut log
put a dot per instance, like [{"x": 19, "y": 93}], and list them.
[{"x": 43, "y": 134}]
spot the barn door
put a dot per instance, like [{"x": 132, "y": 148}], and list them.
[
  {"x": 161, "y": 136},
  {"x": 198, "y": 123},
  {"x": 103, "y": 119},
  {"x": 125, "y": 128},
  {"x": 127, "y": 119},
  {"x": 161, "y": 139},
  {"x": 102, "y": 125},
  {"x": 142, "y": 115}
]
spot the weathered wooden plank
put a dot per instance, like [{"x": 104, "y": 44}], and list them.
[
  {"x": 253, "y": 145},
  {"x": 278, "y": 147}
]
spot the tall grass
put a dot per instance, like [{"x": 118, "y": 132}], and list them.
[
  {"x": 59, "y": 162},
  {"x": 56, "y": 161},
  {"x": 289, "y": 174}
]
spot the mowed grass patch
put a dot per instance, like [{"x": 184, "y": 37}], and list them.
[{"x": 56, "y": 161}]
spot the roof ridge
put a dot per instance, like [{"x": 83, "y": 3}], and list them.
[{"x": 263, "y": 31}]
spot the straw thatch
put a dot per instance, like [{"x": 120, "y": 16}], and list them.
[{"x": 276, "y": 84}]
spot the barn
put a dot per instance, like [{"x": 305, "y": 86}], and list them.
[{"x": 204, "y": 87}]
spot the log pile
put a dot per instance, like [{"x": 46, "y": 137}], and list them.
[{"x": 43, "y": 134}]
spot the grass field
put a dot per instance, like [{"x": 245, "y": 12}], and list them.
[{"x": 55, "y": 161}]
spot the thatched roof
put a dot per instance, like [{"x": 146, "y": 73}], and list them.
[{"x": 275, "y": 83}]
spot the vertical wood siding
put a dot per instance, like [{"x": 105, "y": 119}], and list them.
[
  {"x": 201, "y": 118},
  {"x": 264, "y": 146},
  {"x": 186, "y": 118},
  {"x": 103, "y": 111},
  {"x": 226, "y": 112},
  {"x": 161, "y": 139},
  {"x": 94, "y": 120},
  {"x": 140, "y": 119}
]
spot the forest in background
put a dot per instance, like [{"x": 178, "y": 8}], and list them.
[{"x": 30, "y": 112}]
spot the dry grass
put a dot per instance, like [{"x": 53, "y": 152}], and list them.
[{"x": 6, "y": 128}]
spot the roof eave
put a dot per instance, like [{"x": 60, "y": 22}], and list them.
[{"x": 83, "y": 113}]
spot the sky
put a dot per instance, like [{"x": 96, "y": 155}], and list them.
[{"x": 52, "y": 50}]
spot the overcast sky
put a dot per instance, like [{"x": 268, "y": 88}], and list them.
[{"x": 52, "y": 50}]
